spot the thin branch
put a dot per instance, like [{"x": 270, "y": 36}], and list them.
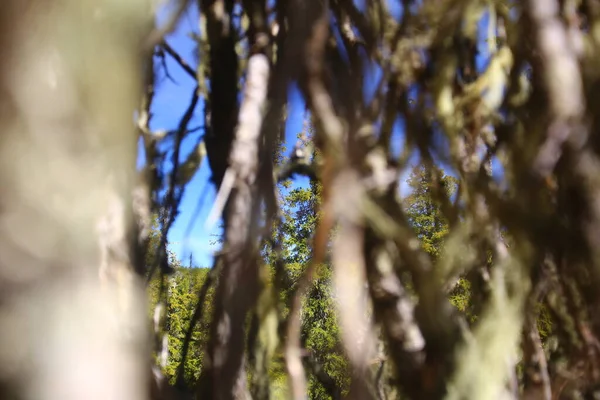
[
  {"x": 177, "y": 57},
  {"x": 173, "y": 197}
]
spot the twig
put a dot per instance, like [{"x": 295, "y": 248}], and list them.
[
  {"x": 225, "y": 189},
  {"x": 172, "y": 199},
  {"x": 177, "y": 57}
]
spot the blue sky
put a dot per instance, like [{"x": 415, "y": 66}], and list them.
[{"x": 189, "y": 234}]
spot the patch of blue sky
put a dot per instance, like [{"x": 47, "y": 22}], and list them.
[
  {"x": 296, "y": 114},
  {"x": 498, "y": 172},
  {"x": 294, "y": 124},
  {"x": 394, "y": 7},
  {"x": 361, "y": 5},
  {"x": 483, "y": 54},
  {"x": 372, "y": 75},
  {"x": 173, "y": 94},
  {"x": 482, "y": 62},
  {"x": 338, "y": 39},
  {"x": 397, "y": 142}
]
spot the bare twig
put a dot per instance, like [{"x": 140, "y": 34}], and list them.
[
  {"x": 177, "y": 57},
  {"x": 174, "y": 193}
]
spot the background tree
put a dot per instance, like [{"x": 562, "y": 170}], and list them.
[
  {"x": 320, "y": 331},
  {"x": 423, "y": 209}
]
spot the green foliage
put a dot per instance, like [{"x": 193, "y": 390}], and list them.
[
  {"x": 321, "y": 334},
  {"x": 424, "y": 213},
  {"x": 184, "y": 286},
  {"x": 423, "y": 209},
  {"x": 299, "y": 222},
  {"x": 460, "y": 295},
  {"x": 181, "y": 294},
  {"x": 320, "y": 330},
  {"x": 544, "y": 321},
  {"x": 426, "y": 217}
]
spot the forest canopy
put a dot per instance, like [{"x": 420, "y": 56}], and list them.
[{"x": 432, "y": 232}]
